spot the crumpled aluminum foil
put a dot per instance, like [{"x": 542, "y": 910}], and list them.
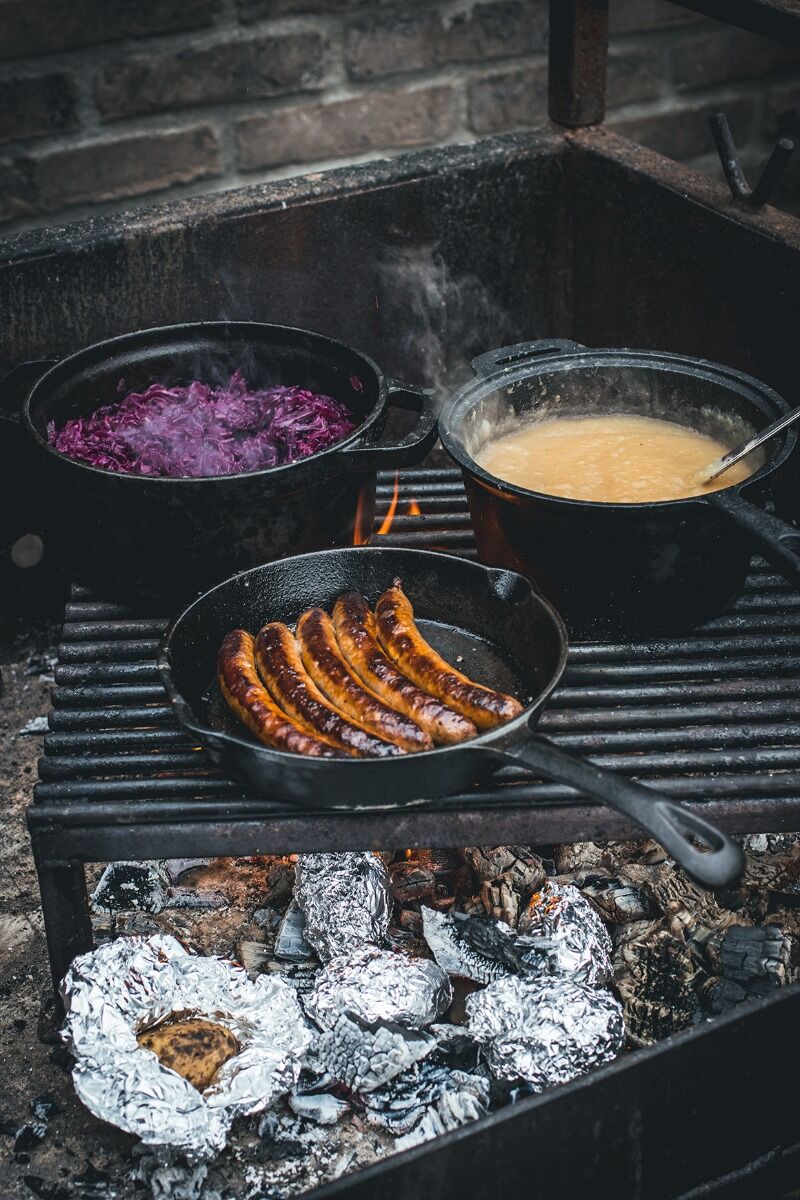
[
  {"x": 474, "y": 947},
  {"x": 379, "y": 985},
  {"x": 346, "y": 900},
  {"x": 128, "y": 985},
  {"x": 364, "y": 1055},
  {"x": 427, "y": 1091},
  {"x": 575, "y": 941},
  {"x": 545, "y": 1031}
]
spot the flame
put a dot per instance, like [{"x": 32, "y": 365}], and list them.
[
  {"x": 360, "y": 535},
  {"x": 414, "y": 509},
  {"x": 386, "y": 523}
]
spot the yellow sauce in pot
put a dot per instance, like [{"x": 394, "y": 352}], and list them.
[{"x": 615, "y": 459}]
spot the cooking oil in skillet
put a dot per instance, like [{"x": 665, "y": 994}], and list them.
[{"x": 616, "y": 458}]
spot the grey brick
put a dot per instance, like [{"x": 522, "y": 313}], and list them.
[
  {"x": 412, "y": 41},
  {"x": 508, "y": 99},
  {"x": 236, "y": 70},
  {"x": 29, "y": 27},
  {"x": 723, "y": 56},
  {"x": 34, "y": 107},
  {"x": 374, "y": 121}
]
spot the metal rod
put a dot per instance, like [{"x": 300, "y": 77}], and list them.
[
  {"x": 773, "y": 170},
  {"x": 578, "y": 61}
]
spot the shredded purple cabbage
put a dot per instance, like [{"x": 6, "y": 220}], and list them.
[{"x": 200, "y": 430}]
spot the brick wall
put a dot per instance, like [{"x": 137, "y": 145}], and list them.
[{"x": 106, "y": 103}]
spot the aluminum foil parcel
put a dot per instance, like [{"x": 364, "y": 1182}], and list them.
[
  {"x": 545, "y": 1031},
  {"x": 574, "y": 941},
  {"x": 128, "y": 986},
  {"x": 346, "y": 901},
  {"x": 379, "y": 985}
]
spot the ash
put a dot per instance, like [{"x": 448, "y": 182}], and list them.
[{"x": 654, "y": 948}]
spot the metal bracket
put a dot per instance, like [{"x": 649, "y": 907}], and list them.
[{"x": 728, "y": 156}]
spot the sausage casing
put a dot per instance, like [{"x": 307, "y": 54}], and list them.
[
  {"x": 325, "y": 663},
  {"x": 292, "y": 688},
  {"x": 246, "y": 696},
  {"x": 406, "y": 646},
  {"x": 356, "y": 633}
]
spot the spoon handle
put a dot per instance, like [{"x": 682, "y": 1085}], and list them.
[{"x": 739, "y": 452}]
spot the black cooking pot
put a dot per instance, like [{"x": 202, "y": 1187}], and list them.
[
  {"x": 622, "y": 569},
  {"x": 155, "y": 539}
]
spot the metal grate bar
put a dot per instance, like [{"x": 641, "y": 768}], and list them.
[{"x": 713, "y": 717}]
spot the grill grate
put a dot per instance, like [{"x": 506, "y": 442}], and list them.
[{"x": 713, "y": 718}]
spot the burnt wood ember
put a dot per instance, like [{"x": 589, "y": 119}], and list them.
[
  {"x": 518, "y": 865},
  {"x": 746, "y": 953},
  {"x": 654, "y": 974},
  {"x": 614, "y": 899},
  {"x": 411, "y": 881}
]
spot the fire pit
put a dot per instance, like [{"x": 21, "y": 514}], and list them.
[{"x": 672, "y": 262}]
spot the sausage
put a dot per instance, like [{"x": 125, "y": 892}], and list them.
[
  {"x": 356, "y": 633},
  {"x": 406, "y": 646},
  {"x": 247, "y": 697},
  {"x": 292, "y": 688},
  {"x": 325, "y": 663}
]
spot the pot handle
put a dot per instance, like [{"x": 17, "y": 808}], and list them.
[
  {"x": 670, "y": 823},
  {"x": 409, "y": 450},
  {"x": 510, "y": 356},
  {"x": 15, "y": 386},
  {"x": 776, "y": 540}
]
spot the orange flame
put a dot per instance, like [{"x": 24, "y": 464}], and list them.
[
  {"x": 360, "y": 535},
  {"x": 414, "y": 509},
  {"x": 386, "y": 523}
]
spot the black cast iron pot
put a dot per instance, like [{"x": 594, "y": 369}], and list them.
[
  {"x": 159, "y": 540},
  {"x": 622, "y": 569}
]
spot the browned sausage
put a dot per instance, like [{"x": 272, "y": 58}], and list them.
[
  {"x": 292, "y": 688},
  {"x": 325, "y": 663},
  {"x": 406, "y": 646},
  {"x": 247, "y": 697},
  {"x": 357, "y": 636}
]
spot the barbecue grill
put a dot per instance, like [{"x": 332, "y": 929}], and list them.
[{"x": 575, "y": 233}]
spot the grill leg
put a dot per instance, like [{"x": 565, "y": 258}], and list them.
[{"x": 65, "y": 906}]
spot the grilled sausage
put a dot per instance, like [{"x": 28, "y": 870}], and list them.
[
  {"x": 292, "y": 688},
  {"x": 325, "y": 663},
  {"x": 356, "y": 633},
  {"x": 406, "y": 646},
  {"x": 247, "y": 697}
]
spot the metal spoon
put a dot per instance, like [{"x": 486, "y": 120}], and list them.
[{"x": 715, "y": 469}]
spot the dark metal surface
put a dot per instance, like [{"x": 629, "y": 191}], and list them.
[
  {"x": 771, "y": 175},
  {"x": 778, "y": 19},
  {"x": 578, "y": 61}
]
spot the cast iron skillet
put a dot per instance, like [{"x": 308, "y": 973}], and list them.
[{"x": 490, "y": 622}]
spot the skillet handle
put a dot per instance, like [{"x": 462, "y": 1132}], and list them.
[
  {"x": 670, "y": 823},
  {"x": 409, "y": 450},
  {"x": 778, "y": 541},
  {"x": 510, "y": 356}
]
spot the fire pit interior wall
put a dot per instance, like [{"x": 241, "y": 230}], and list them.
[{"x": 580, "y": 235}]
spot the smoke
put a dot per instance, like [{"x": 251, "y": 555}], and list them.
[{"x": 443, "y": 319}]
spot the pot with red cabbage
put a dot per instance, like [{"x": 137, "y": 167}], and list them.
[{"x": 170, "y": 458}]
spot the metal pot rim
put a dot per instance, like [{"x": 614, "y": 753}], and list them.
[
  {"x": 603, "y": 357},
  {"x": 132, "y": 339}
]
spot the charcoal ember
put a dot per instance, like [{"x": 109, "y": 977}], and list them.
[
  {"x": 379, "y": 985},
  {"x": 684, "y": 903},
  {"x": 568, "y": 936},
  {"x": 441, "y": 862},
  {"x": 364, "y": 1055},
  {"x": 346, "y": 900},
  {"x": 132, "y": 885},
  {"x": 545, "y": 1031},
  {"x": 447, "y": 1098},
  {"x": 410, "y": 920},
  {"x": 290, "y": 943},
  {"x": 788, "y": 921},
  {"x": 411, "y": 881},
  {"x": 746, "y": 952},
  {"x": 770, "y": 843},
  {"x": 501, "y": 900},
  {"x": 299, "y": 975},
  {"x": 474, "y": 947},
  {"x": 454, "y": 1107},
  {"x": 720, "y": 995},
  {"x": 570, "y": 857},
  {"x": 616, "y": 900},
  {"x": 404, "y": 941},
  {"x": 522, "y": 870},
  {"x": 654, "y": 973}
]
